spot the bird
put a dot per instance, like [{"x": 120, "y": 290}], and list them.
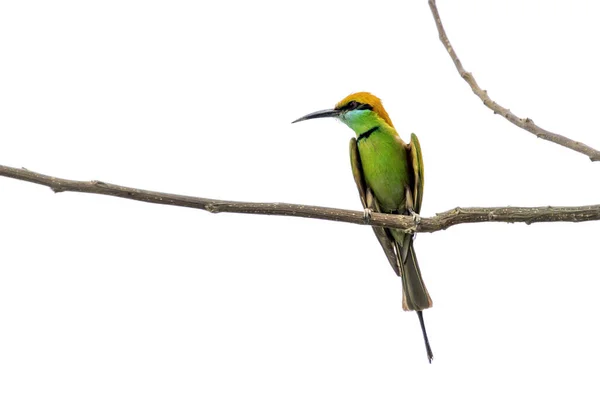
[{"x": 389, "y": 176}]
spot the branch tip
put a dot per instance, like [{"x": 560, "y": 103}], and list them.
[{"x": 530, "y": 126}]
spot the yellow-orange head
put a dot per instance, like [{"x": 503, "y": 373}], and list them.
[
  {"x": 361, "y": 111},
  {"x": 368, "y": 99}
]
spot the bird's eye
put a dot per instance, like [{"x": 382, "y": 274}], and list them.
[{"x": 352, "y": 105}]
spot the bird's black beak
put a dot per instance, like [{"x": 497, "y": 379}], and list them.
[{"x": 319, "y": 114}]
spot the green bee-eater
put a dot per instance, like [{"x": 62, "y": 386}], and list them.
[{"x": 389, "y": 176}]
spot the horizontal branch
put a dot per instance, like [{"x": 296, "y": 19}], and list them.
[
  {"x": 524, "y": 123},
  {"x": 441, "y": 221}
]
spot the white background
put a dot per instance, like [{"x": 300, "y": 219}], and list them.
[{"x": 107, "y": 298}]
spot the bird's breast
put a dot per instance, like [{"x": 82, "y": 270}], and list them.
[{"x": 385, "y": 168}]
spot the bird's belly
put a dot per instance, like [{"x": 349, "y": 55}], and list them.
[{"x": 386, "y": 172}]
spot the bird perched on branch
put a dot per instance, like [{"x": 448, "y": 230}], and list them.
[{"x": 389, "y": 176}]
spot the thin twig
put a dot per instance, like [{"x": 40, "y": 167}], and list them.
[
  {"x": 441, "y": 221},
  {"x": 524, "y": 123}
]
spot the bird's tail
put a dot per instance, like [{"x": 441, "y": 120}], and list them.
[
  {"x": 427, "y": 346},
  {"x": 414, "y": 293}
]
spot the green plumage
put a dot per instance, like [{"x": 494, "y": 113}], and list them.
[
  {"x": 389, "y": 175},
  {"x": 393, "y": 172},
  {"x": 386, "y": 168}
]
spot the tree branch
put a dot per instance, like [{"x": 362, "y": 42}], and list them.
[
  {"x": 441, "y": 221},
  {"x": 524, "y": 123}
]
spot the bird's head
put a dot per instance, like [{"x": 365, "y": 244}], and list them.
[{"x": 360, "y": 111}]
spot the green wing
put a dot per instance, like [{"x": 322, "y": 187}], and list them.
[
  {"x": 414, "y": 151},
  {"x": 357, "y": 173},
  {"x": 414, "y": 192},
  {"x": 396, "y": 244},
  {"x": 369, "y": 202}
]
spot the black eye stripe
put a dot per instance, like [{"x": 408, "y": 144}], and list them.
[{"x": 355, "y": 105}]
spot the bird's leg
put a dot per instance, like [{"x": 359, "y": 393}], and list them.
[
  {"x": 368, "y": 210},
  {"x": 410, "y": 206},
  {"x": 367, "y": 215},
  {"x": 417, "y": 220},
  {"x": 416, "y": 217}
]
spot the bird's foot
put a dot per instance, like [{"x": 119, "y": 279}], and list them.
[
  {"x": 417, "y": 220},
  {"x": 367, "y": 215},
  {"x": 416, "y": 217}
]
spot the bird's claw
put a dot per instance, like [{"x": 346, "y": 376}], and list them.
[
  {"x": 367, "y": 215},
  {"x": 417, "y": 220}
]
